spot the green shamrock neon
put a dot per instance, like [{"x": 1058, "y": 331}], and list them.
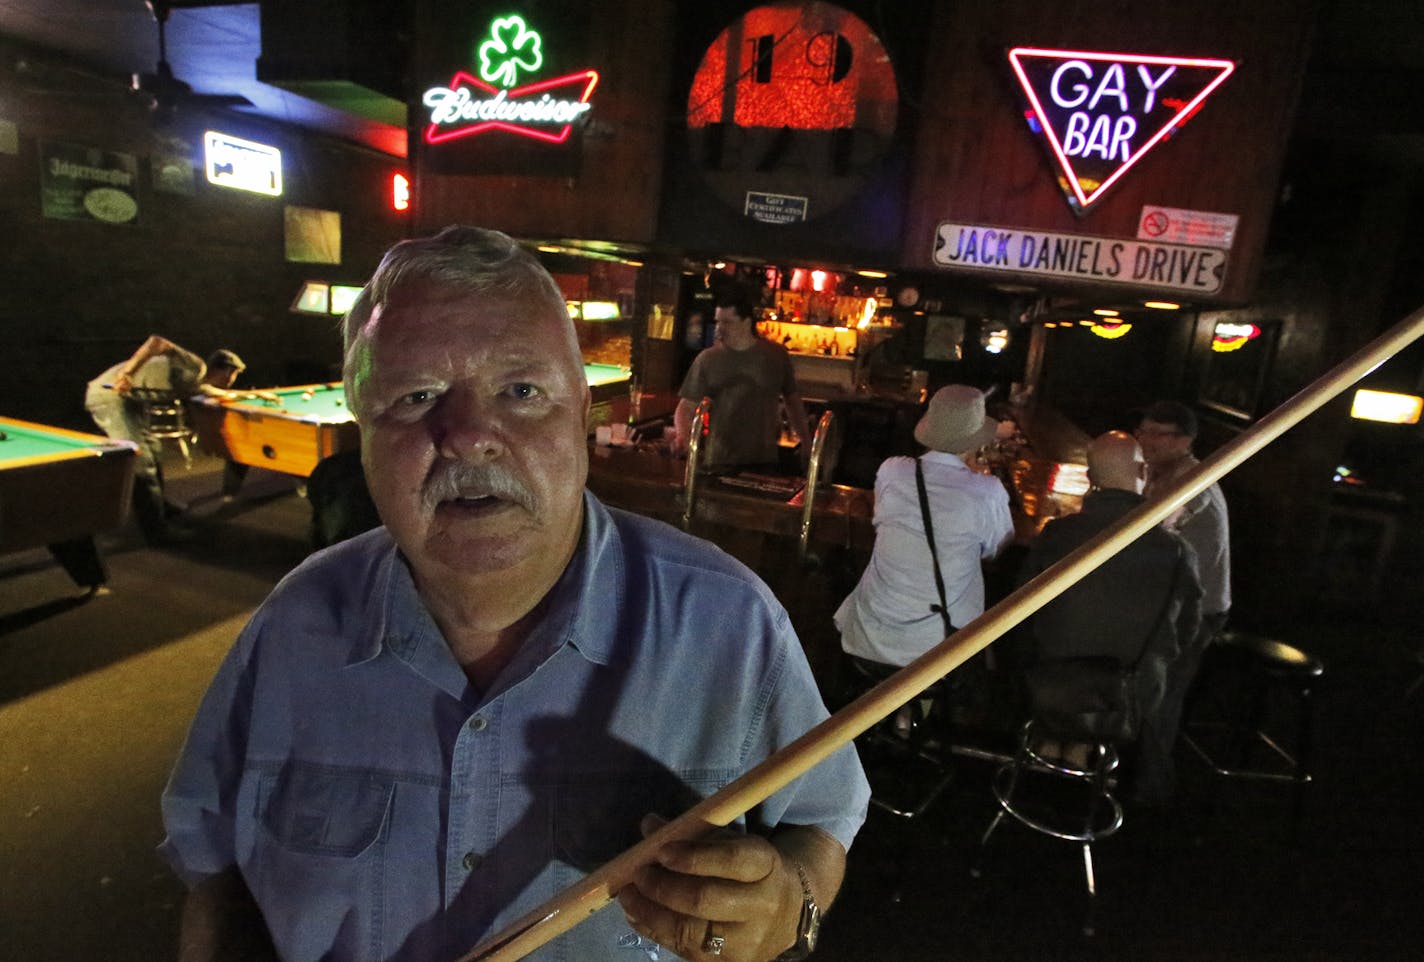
[{"x": 512, "y": 47}]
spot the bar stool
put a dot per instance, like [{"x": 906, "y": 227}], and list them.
[
  {"x": 909, "y": 745},
  {"x": 164, "y": 419},
  {"x": 906, "y": 757},
  {"x": 1084, "y": 810},
  {"x": 1228, "y": 732}
]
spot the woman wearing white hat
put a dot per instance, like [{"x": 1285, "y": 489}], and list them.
[{"x": 894, "y": 613}]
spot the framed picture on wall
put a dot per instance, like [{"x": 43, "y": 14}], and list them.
[
  {"x": 312, "y": 236},
  {"x": 1237, "y": 362}
]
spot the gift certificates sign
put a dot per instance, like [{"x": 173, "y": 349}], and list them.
[{"x": 1100, "y": 113}]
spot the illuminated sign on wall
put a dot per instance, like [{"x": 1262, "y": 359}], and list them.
[
  {"x": 342, "y": 297},
  {"x": 313, "y": 298},
  {"x": 319, "y": 297},
  {"x": 471, "y": 105},
  {"x": 1111, "y": 330},
  {"x": 1227, "y": 336},
  {"x": 790, "y": 109},
  {"x": 1107, "y": 260},
  {"x": 400, "y": 192},
  {"x": 1386, "y": 406},
  {"x": 1100, "y": 113},
  {"x": 242, "y": 164}
]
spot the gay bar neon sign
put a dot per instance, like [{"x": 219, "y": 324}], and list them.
[
  {"x": 472, "y": 105},
  {"x": 1100, "y": 113}
]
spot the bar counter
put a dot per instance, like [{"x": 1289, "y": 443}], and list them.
[
  {"x": 763, "y": 530},
  {"x": 644, "y": 478}
]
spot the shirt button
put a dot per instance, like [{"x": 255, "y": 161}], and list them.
[
  {"x": 478, "y": 723},
  {"x": 471, "y": 861}
]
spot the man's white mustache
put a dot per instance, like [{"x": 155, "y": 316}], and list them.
[{"x": 449, "y": 480}]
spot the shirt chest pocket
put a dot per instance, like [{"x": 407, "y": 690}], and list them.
[
  {"x": 323, "y": 810},
  {"x": 596, "y": 817}
]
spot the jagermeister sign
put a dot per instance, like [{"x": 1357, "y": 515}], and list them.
[{"x": 86, "y": 183}]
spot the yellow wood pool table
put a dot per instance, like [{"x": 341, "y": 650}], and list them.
[
  {"x": 311, "y": 422},
  {"x": 289, "y": 435}
]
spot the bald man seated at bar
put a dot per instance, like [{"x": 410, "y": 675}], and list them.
[
  {"x": 1140, "y": 606},
  {"x": 432, "y": 728}
]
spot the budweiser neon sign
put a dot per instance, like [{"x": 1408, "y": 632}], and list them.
[
  {"x": 1101, "y": 113},
  {"x": 469, "y": 106},
  {"x": 545, "y": 110}
]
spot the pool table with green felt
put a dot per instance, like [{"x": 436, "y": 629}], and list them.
[
  {"x": 289, "y": 435},
  {"x": 311, "y": 422},
  {"x": 59, "y": 488}
]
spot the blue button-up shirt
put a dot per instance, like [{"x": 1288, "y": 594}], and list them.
[{"x": 379, "y": 806}]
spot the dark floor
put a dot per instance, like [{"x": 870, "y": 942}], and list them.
[
  {"x": 95, "y": 695},
  {"x": 1223, "y": 873}
]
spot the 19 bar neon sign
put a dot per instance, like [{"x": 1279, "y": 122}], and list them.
[{"x": 1100, "y": 113}]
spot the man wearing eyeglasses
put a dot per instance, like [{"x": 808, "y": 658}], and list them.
[{"x": 1166, "y": 433}]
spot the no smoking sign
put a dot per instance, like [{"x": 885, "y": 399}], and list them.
[{"x": 1196, "y": 227}]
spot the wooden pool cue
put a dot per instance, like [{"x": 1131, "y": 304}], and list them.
[{"x": 582, "y": 899}]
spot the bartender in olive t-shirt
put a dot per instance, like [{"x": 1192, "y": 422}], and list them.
[{"x": 748, "y": 379}]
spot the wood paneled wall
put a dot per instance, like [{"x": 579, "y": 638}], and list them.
[
  {"x": 614, "y": 195},
  {"x": 977, "y": 162},
  {"x": 206, "y": 270}
]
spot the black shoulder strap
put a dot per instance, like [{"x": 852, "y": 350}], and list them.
[{"x": 943, "y": 606}]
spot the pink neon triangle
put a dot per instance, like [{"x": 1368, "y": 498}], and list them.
[{"x": 1088, "y": 77}]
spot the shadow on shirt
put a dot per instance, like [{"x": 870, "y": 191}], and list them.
[{"x": 577, "y": 820}]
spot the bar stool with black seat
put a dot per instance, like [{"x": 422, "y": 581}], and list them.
[
  {"x": 1231, "y": 715},
  {"x": 1060, "y": 782},
  {"x": 164, "y": 419},
  {"x": 906, "y": 754}
]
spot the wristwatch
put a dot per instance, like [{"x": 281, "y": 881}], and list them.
[{"x": 809, "y": 927}]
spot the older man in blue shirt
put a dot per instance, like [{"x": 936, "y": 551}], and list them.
[{"x": 430, "y": 729}]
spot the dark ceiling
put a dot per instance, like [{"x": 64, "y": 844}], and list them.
[
  {"x": 212, "y": 46},
  {"x": 1365, "y": 72}
]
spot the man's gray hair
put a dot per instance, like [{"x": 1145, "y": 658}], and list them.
[{"x": 474, "y": 260}]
